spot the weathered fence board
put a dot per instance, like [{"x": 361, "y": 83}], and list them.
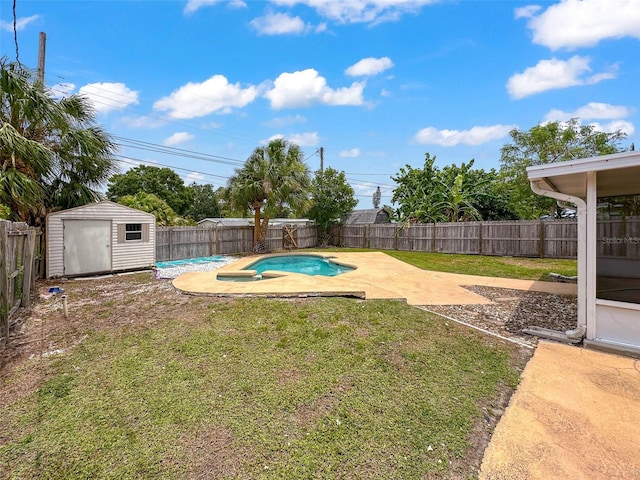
[
  {"x": 19, "y": 267},
  {"x": 535, "y": 238},
  {"x": 552, "y": 239},
  {"x": 177, "y": 243}
]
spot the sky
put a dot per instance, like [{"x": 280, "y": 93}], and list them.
[{"x": 197, "y": 85}]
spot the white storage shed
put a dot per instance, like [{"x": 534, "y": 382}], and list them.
[{"x": 99, "y": 237}]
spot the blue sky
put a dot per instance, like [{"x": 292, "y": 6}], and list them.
[{"x": 375, "y": 83}]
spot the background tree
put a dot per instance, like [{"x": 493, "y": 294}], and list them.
[
  {"x": 150, "y": 203},
  {"x": 544, "y": 144},
  {"x": 453, "y": 194},
  {"x": 419, "y": 193},
  {"x": 377, "y": 196},
  {"x": 273, "y": 177},
  {"x": 332, "y": 199},
  {"x": 52, "y": 154},
  {"x": 205, "y": 203},
  {"x": 162, "y": 182},
  {"x": 5, "y": 212}
]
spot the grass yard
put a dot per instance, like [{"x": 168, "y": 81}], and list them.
[
  {"x": 155, "y": 384},
  {"x": 504, "y": 267}
]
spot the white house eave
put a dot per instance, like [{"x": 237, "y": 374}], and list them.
[{"x": 593, "y": 164}]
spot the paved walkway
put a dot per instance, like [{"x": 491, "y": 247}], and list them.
[
  {"x": 377, "y": 276},
  {"x": 575, "y": 415}
]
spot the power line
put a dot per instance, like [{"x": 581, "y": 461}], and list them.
[
  {"x": 179, "y": 152},
  {"x": 136, "y": 161}
]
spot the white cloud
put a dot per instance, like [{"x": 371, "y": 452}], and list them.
[
  {"x": 177, "y": 138},
  {"x": 597, "y": 111},
  {"x": 106, "y": 97},
  {"x": 583, "y": 23},
  {"x": 277, "y": 136},
  {"x": 369, "y": 66},
  {"x": 353, "y": 153},
  {"x": 199, "y": 99},
  {"x": 528, "y": 11},
  {"x": 279, "y": 24},
  {"x": 194, "y": 177},
  {"x": 307, "y": 87},
  {"x": 614, "y": 126},
  {"x": 21, "y": 23},
  {"x": 64, "y": 89},
  {"x": 553, "y": 74},
  {"x": 193, "y": 5},
  {"x": 360, "y": 11},
  {"x": 474, "y": 136},
  {"x": 307, "y": 139},
  {"x": 590, "y": 111}
]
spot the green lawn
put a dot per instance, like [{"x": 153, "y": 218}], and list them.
[
  {"x": 507, "y": 267},
  {"x": 256, "y": 388}
]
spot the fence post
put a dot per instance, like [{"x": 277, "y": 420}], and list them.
[
  {"x": 541, "y": 240},
  {"x": 433, "y": 238},
  {"x": 28, "y": 254},
  {"x": 4, "y": 284},
  {"x": 480, "y": 239},
  {"x": 170, "y": 235}
]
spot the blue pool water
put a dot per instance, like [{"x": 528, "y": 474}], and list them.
[{"x": 306, "y": 264}]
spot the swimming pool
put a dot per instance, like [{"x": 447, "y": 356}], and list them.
[{"x": 305, "y": 264}]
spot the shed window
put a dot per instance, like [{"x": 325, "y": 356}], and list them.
[{"x": 133, "y": 231}]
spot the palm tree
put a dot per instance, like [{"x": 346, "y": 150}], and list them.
[
  {"x": 273, "y": 177},
  {"x": 51, "y": 153}
]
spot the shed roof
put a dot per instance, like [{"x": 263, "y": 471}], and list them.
[
  {"x": 369, "y": 215},
  {"x": 617, "y": 174},
  {"x": 98, "y": 205},
  {"x": 228, "y": 222}
]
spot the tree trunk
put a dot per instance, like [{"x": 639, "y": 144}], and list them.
[{"x": 256, "y": 223}]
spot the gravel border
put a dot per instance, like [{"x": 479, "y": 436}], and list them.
[{"x": 514, "y": 310}]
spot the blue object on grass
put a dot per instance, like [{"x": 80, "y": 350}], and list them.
[{"x": 191, "y": 261}]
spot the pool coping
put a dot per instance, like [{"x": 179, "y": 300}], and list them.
[{"x": 377, "y": 275}]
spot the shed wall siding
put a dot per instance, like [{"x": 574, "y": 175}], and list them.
[{"x": 124, "y": 256}]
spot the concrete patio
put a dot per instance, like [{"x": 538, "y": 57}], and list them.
[{"x": 377, "y": 276}]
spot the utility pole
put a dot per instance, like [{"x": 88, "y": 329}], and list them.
[
  {"x": 321, "y": 159},
  {"x": 41, "y": 53}
]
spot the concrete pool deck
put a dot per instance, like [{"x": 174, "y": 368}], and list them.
[{"x": 377, "y": 276}]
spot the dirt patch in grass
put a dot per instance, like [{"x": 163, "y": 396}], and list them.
[{"x": 214, "y": 453}]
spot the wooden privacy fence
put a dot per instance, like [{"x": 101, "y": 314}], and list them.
[
  {"x": 548, "y": 238},
  {"x": 177, "y": 243},
  {"x": 19, "y": 267}
]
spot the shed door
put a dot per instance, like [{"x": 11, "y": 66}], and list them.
[{"x": 87, "y": 246}]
